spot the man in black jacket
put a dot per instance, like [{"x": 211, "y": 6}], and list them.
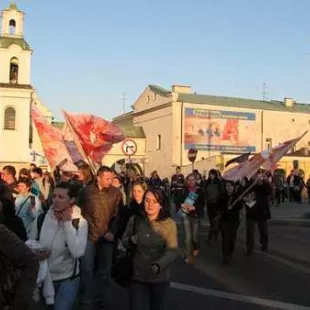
[
  {"x": 258, "y": 211},
  {"x": 177, "y": 187}
]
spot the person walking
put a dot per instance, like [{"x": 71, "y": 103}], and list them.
[
  {"x": 177, "y": 187},
  {"x": 214, "y": 190},
  {"x": 192, "y": 210},
  {"x": 99, "y": 203},
  {"x": 229, "y": 221},
  {"x": 154, "y": 235},
  {"x": 258, "y": 212},
  {"x": 62, "y": 232}
]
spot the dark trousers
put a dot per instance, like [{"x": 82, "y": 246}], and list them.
[
  {"x": 229, "y": 234},
  {"x": 292, "y": 194},
  {"x": 250, "y": 233},
  {"x": 96, "y": 265},
  {"x": 103, "y": 267},
  {"x": 298, "y": 196},
  {"x": 177, "y": 199},
  {"x": 279, "y": 195},
  {"x": 212, "y": 213},
  {"x": 147, "y": 296}
]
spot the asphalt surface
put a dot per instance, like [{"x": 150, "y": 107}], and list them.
[{"x": 279, "y": 279}]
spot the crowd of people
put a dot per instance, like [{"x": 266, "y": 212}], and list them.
[{"x": 64, "y": 236}]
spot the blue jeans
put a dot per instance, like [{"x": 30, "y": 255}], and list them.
[
  {"x": 96, "y": 265},
  {"x": 191, "y": 229},
  {"x": 66, "y": 293}
]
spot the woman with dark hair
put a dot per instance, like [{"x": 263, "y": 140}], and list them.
[
  {"x": 62, "y": 232},
  {"x": 24, "y": 173},
  {"x": 192, "y": 210},
  {"x": 8, "y": 216},
  {"x": 154, "y": 235},
  {"x": 229, "y": 221}
]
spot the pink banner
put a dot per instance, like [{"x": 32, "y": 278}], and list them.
[
  {"x": 95, "y": 135},
  {"x": 52, "y": 142}
]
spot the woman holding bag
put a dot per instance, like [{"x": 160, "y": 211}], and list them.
[{"x": 154, "y": 236}]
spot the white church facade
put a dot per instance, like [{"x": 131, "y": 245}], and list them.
[{"x": 19, "y": 140}]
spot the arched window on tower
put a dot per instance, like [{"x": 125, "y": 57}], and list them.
[
  {"x": 9, "y": 118},
  {"x": 14, "y": 70},
  {"x": 12, "y": 26}
]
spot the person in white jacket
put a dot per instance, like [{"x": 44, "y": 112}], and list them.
[{"x": 62, "y": 232}]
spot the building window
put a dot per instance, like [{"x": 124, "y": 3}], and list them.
[
  {"x": 293, "y": 120},
  {"x": 268, "y": 144},
  {"x": 158, "y": 142},
  {"x": 14, "y": 70},
  {"x": 9, "y": 118},
  {"x": 12, "y": 27},
  {"x": 148, "y": 99}
]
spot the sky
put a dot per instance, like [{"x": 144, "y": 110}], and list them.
[{"x": 88, "y": 53}]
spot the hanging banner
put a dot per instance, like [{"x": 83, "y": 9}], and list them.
[{"x": 224, "y": 131}]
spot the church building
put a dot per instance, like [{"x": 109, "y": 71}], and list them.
[{"x": 19, "y": 142}]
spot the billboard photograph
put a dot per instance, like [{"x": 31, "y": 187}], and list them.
[{"x": 224, "y": 131}]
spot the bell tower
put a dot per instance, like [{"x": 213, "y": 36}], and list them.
[
  {"x": 12, "y": 22},
  {"x": 15, "y": 53},
  {"x": 15, "y": 88}
]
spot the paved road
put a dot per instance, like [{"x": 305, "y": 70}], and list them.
[{"x": 279, "y": 279}]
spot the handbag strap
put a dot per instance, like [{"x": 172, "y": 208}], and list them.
[{"x": 22, "y": 205}]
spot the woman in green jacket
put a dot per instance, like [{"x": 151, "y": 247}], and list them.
[{"x": 154, "y": 235}]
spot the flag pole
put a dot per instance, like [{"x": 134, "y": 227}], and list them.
[
  {"x": 244, "y": 193},
  {"x": 78, "y": 144}
]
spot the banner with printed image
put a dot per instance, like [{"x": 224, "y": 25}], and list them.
[{"x": 217, "y": 130}]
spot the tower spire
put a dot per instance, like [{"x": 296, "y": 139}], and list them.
[{"x": 13, "y": 5}]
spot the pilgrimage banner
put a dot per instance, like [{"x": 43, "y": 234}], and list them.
[
  {"x": 215, "y": 130},
  {"x": 52, "y": 142},
  {"x": 266, "y": 159},
  {"x": 95, "y": 135}
]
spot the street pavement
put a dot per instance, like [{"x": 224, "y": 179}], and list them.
[{"x": 279, "y": 279}]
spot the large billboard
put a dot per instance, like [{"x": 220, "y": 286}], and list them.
[{"x": 224, "y": 131}]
